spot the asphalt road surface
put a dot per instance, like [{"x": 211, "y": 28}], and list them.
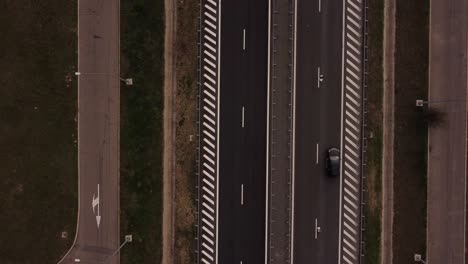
[
  {"x": 318, "y": 124},
  {"x": 97, "y": 236},
  {"x": 447, "y": 142},
  {"x": 243, "y": 98}
]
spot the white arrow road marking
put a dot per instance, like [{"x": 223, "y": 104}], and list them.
[{"x": 96, "y": 204}]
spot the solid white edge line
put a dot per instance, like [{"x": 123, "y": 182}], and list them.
[
  {"x": 217, "y": 131},
  {"x": 293, "y": 136},
  {"x": 267, "y": 135},
  {"x": 320, "y": 6},
  {"x": 341, "y": 137}
]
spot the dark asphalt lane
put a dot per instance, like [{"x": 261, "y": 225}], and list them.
[
  {"x": 241, "y": 228},
  {"x": 318, "y": 120}
]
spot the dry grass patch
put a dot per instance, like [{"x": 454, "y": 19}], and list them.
[{"x": 185, "y": 107}]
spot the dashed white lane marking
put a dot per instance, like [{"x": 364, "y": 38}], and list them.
[
  {"x": 318, "y": 77},
  {"x": 243, "y": 114},
  {"x": 242, "y": 194},
  {"x": 317, "y": 154},
  {"x": 316, "y": 228},
  {"x": 243, "y": 39}
]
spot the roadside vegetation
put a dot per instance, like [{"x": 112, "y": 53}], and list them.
[
  {"x": 185, "y": 107},
  {"x": 38, "y": 154},
  {"x": 411, "y": 82},
  {"x": 142, "y": 40},
  {"x": 373, "y": 170}
]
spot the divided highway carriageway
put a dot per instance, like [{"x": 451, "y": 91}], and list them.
[{"x": 279, "y": 72}]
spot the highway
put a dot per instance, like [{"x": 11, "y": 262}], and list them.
[
  {"x": 97, "y": 235},
  {"x": 320, "y": 68},
  {"x": 243, "y": 113},
  {"x": 318, "y": 127}
]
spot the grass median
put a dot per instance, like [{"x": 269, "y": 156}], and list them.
[
  {"x": 142, "y": 40},
  {"x": 373, "y": 170},
  {"x": 38, "y": 154},
  {"x": 410, "y": 149}
]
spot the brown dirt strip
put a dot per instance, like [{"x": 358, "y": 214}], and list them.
[
  {"x": 169, "y": 132},
  {"x": 388, "y": 135}
]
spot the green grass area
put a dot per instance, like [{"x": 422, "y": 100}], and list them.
[
  {"x": 411, "y": 83},
  {"x": 38, "y": 154},
  {"x": 373, "y": 170},
  {"x": 142, "y": 43}
]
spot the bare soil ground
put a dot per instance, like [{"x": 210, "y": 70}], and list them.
[
  {"x": 38, "y": 130},
  {"x": 185, "y": 107},
  {"x": 388, "y": 133},
  {"x": 169, "y": 133},
  {"x": 411, "y": 80}
]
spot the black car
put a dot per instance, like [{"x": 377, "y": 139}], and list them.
[{"x": 333, "y": 162}]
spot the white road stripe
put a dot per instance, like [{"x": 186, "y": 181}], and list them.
[
  {"x": 207, "y": 255},
  {"x": 210, "y": 16},
  {"x": 208, "y": 118},
  {"x": 209, "y": 208},
  {"x": 242, "y": 194},
  {"x": 318, "y": 77},
  {"x": 211, "y": 25},
  {"x": 210, "y": 87},
  {"x": 243, "y": 110},
  {"x": 206, "y": 230},
  {"x": 350, "y": 194},
  {"x": 211, "y": 9},
  {"x": 209, "y": 143},
  {"x": 210, "y": 55},
  {"x": 209, "y": 46},
  {"x": 208, "y": 239},
  {"x": 208, "y": 183},
  {"x": 207, "y": 223},
  {"x": 350, "y": 150},
  {"x": 209, "y": 135},
  {"x": 209, "y": 200},
  {"x": 207, "y": 93},
  {"x": 354, "y": 41},
  {"x": 209, "y": 78},
  {"x": 208, "y": 191},
  {"x": 243, "y": 39},
  {"x": 212, "y": 2},
  {"x": 317, "y": 154},
  {"x": 351, "y": 107},
  {"x": 208, "y": 175}
]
